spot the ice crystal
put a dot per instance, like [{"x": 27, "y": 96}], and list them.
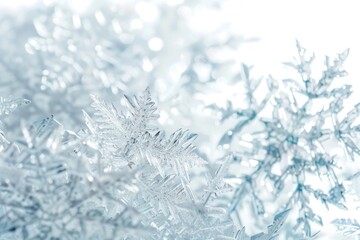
[
  {"x": 130, "y": 141},
  {"x": 7, "y": 106},
  {"x": 47, "y": 191},
  {"x": 292, "y": 146},
  {"x": 348, "y": 226}
]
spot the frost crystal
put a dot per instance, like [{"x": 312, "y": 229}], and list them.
[
  {"x": 292, "y": 146},
  {"x": 162, "y": 166}
]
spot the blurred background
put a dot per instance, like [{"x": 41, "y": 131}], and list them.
[{"x": 327, "y": 27}]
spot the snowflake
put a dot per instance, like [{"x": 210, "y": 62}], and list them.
[{"x": 292, "y": 146}]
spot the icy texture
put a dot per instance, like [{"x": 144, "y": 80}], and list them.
[
  {"x": 162, "y": 169},
  {"x": 47, "y": 191},
  {"x": 120, "y": 178},
  {"x": 294, "y": 145}
]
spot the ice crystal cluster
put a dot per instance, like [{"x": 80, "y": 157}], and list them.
[
  {"x": 73, "y": 165},
  {"x": 119, "y": 177}
]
